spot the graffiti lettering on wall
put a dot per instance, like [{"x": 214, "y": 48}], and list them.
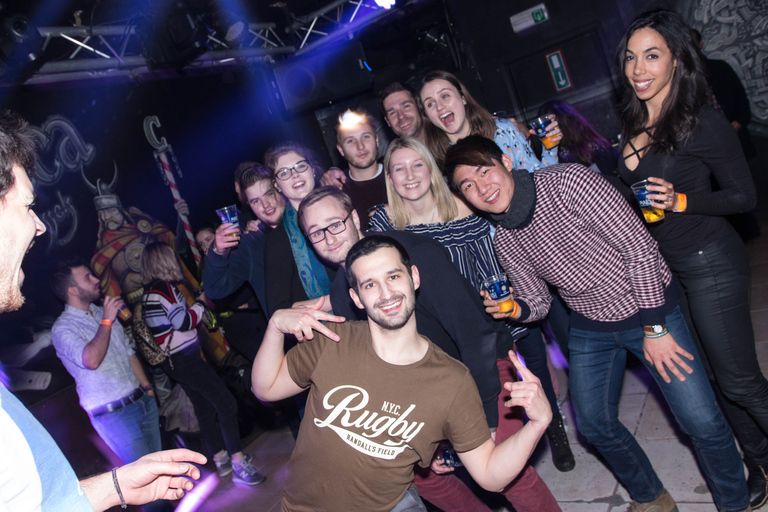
[
  {"x": 60, "y": 221},
  {"x": 736, "y": 31},
  {"x": 58, "y": 137}
]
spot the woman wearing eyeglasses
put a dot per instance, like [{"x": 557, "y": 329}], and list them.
[{"x": 294, "y": 274}]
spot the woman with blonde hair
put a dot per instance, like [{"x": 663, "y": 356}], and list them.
[
  {"x": 420, "y": 201},
  {"x": 173, "y": 325}
]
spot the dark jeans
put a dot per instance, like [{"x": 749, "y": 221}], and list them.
[
  {"x": 598, "y": 360},
  {"x": 210, "y": 398},
  {"x": 716, "y": 281},
  {"x": 558, "y": 320},
  {"x": 534, "y": 351}
]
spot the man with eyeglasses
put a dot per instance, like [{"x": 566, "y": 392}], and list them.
[{"x": 449, "y": 312}]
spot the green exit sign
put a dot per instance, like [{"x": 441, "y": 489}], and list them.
[
  {"x": 558, "y": 71},
  {"x": 529, "y": 18}
]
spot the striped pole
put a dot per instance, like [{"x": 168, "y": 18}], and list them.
[{"x": 162, "y": 150}]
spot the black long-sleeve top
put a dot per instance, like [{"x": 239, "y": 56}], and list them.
[
  {"x": 449, "y": 312},
  {"x": 712, "y": 154},
  {"x": 282, "y": 281}
]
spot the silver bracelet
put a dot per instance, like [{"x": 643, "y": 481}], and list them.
[
  {"x": 658, "y": 335},
  {"x": 123, "y": 504}
]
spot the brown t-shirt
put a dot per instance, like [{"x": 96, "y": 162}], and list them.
[{"x": 367, "y": 421}]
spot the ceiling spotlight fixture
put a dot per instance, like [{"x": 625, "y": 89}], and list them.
[
  {"x": 386, "y": 4},
  {"x": 20, "y": 48}
]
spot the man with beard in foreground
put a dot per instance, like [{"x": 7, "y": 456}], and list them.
[{"x": 382, "y": 396}]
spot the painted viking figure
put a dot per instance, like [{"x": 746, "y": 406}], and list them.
[{"x": 123, "y": 234}]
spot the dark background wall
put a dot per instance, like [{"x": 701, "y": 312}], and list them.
[{"x": 215, "y": 121}]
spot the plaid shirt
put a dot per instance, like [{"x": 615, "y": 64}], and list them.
[{"x": 585, "y": 239}]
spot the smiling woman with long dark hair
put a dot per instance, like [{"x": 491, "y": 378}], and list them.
[{"x": 674, "y": 139}]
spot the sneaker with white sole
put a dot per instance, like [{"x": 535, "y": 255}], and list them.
[
  {"x": 223, "y": 465},
  {"x": 244, "y": 472}
]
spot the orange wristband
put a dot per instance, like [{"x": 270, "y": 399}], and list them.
[
  {"x": 515, "y": 309},
  {"x": 106, "y": 322},
  {"x": 682, "y": 203}
]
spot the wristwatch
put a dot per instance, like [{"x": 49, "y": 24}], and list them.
[{"x": 656, "y": 331}]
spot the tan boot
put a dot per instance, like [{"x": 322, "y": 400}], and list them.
[{"x": 664, "y": 503}]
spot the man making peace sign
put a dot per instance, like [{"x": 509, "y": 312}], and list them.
[{"x": 382, "y": 396}]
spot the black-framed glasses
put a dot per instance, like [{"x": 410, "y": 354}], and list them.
[
  {"x": 286, "y": 172},
  {"x": 337, "y": 227}
]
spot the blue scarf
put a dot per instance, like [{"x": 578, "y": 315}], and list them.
[{"x": 311, "y": 272}]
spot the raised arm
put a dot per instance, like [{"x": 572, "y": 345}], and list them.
[
  {"x": 270, "y": 378},
  {"x": 495, "y": 466},
  {"x": 226, "y": 271},
  {"x": 96, "y": 349}
]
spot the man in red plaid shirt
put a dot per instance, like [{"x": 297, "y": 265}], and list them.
[{"x": 567, "y": 226}]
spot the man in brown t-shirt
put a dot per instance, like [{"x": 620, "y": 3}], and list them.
[{"x": 382, "y": 396}]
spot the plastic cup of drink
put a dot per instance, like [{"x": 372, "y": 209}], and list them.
[
  {"x": 229, "y": 214},
  {"x": 124, "y": 313},
  {"x": 540, "y": 125},
  {"x": 499, "y": 290},
  {"x": 651, "y": 214}
]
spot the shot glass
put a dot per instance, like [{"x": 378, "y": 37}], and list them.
[
  {"x": 499, "y": 290},
  {"x": 540, "y": 125},
  {"x": 651, "y": 214}
]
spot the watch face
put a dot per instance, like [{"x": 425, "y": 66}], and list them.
[{"x": 657, "y": 328}]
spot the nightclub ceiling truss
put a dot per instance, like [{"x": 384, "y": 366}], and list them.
[{"x": 115, "y": 51}]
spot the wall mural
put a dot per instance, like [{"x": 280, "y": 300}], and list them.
[
  {"x": 57, "y": 136},
  {"x": 123, "y": 231},
  {"x": 736, "y": 31}
]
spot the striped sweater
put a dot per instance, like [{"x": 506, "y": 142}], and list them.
[{"x": 166, "y": 311}]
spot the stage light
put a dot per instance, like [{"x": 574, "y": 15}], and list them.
[
  {"x": 176, "y": 39},
  {"x": 20, "y": 48},
  {"x": 387, "y": 4}
]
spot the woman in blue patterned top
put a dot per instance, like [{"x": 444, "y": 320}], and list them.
[
  {"x": 454, "y": 114},
  {"x": 419, "y": 201}
]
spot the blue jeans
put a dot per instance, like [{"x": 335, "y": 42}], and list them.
[
  {"x": 598, "y": 361},
  {"x": 410, "y": 502},
  {"x": 131, "y": 432}
]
